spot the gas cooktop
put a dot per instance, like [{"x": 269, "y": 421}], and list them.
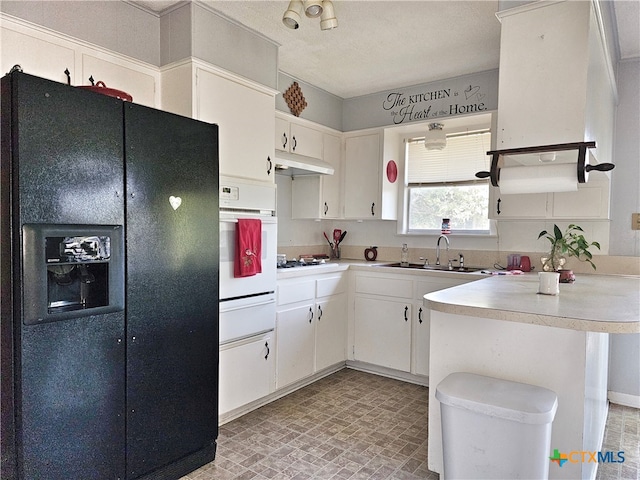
[{"x": 301, "y": 263}]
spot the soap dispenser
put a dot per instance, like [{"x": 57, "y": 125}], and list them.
[{"x": 404, "y": 256}]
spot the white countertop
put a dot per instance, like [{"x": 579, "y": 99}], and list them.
[
  {"x": 595, "y": 303},
  {"x": 364, "y": 266}
]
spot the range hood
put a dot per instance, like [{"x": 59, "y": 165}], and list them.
[{"x": 292, "y": 165}]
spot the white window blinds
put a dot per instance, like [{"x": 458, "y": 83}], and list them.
[{"x": 458, "y": 162}]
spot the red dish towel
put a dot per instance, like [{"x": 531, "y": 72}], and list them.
[{"x": 248, "y": 259}]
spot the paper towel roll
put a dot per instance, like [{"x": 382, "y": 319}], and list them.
[{"x": 561, "y": 177}]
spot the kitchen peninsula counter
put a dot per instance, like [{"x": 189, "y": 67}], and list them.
[
  {"x": 501, "y": 327},
  {"x": 595, "y": 303}
]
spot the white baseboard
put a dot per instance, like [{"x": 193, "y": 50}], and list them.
[
  {"x": 388, "y": 372},
  {"x": 624, "y": 399}
]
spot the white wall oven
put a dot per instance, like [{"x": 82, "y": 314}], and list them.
[{"x": 247, "y": 304}]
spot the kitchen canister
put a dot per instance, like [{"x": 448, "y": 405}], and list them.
[{"x": 549, "y": 283}]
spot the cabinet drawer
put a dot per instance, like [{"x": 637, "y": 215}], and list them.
[
  {"x": 330, "y": 286},
  {"x": 389, "y": 287},
  {"x": 296, "y": 292}
]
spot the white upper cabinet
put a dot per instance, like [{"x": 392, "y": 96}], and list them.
[
  {"x": 245, "y": 120},
  {"x": 296, "y": 138},
  {"x": 36, "y": 56},
  {"x": 139, "y": 84},
  {"x": 47, "y": 55},
  {"x": 369, "y": 193},
  {"x": 362, "y": 198},
  {"x": 552, "y": 60},
  {"x": 243, "y": 111},
  {"x": 318, "y": 196},
  {"x": 590, "y": 201}
]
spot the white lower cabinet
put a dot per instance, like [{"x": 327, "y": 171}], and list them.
[
  {"x": 247, "y": 371},
  {"x": 391, "y": 323},
  {"x": 311, "y": 326},
  {"x": 383, "y": 332},
  {"x": 382, "y": 325},
  {"x": 421, "y": 338},
  {"x": 296, "y": 343},
  {"x": 331, "y": 331},
  {"x": 421, "y": 317}
]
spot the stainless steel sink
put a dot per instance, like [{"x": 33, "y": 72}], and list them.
[{"x": 436, "y": 268}]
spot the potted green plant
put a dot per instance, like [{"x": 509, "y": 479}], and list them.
[{"x": 571, "y": 243}]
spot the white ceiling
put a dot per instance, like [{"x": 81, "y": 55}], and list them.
[{"x": 379, "y": 45}]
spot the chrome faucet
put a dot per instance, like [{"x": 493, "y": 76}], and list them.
[{"x": 438, "y": 248}]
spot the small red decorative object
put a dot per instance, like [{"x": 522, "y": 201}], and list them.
[
  {"x": 392, "y": 171},
  {"x": 100, "y": 87}
]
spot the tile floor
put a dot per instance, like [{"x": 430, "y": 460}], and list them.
[{"x": 355, "y": 425}]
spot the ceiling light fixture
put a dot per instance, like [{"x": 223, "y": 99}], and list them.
[
  {"x": 328, "y": 19},
  {"x": 291, "y": 17},
  {"x": 313, "y": 8},
  {"x": 435, "y": 138}
]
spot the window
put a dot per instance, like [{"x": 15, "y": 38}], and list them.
[{"x": 442, "y": 183}]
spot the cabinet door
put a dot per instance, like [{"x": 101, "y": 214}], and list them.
[
  {"x": 36, "y": 56},
  {"x": 331, "y": 331},
  {"x": 383, "y": 332},
  {"x": 332, "y": 153},
  {"x": 246, "y": 125},
  {"x": 282, "y": 138},
  {"x": 140, "y": 85},
  {"x": 305, "y": 141},
  {"x": 247, "y": 372},
  {"x": 318, "y": 196},
  {"x": 421, "y": 340},
  {"x": 526, "y": 205},
  {"x": 296, "y": 344},
  {"x": 362, "y": 177}
]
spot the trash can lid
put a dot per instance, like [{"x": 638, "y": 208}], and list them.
[{"x": 518, "y": 402}]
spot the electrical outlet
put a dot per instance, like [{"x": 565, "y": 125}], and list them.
[{"x": 635, "y": 221}]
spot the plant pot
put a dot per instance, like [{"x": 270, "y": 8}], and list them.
[
  {"x": 566, "y": 276},
  {"x": 552, "y": 263}
]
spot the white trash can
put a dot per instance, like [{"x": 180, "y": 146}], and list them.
[{"x": 494, "y": 429}]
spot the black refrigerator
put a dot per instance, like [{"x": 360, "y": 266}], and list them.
[{"x": 109, "y": 286}]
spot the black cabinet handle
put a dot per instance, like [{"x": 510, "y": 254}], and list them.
[
  {"x": 266, "y": 344},
  {"x": 319, "y": 312},
  {"x": 406, "y": 310},
  {"x": 295, "y": 143},
  {"x": 270, "y": 165},
  {"x": 372, "y": 205},
  {"x": 92, "y": 80},
  {"x": 310, "y": 314},
  {"x": 326, "y": 208},
  {"x": 498, "y": 206},
  {"x": 285, "y": 140},
  {"x": 68, "y": 74},
  {"x": 420, "y": 315}
]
